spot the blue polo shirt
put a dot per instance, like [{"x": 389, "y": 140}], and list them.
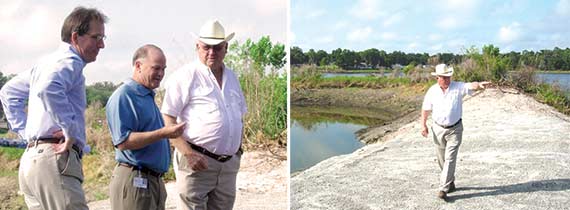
[{"x": 131, "y": 108}]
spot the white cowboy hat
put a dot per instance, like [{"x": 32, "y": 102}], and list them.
[
  {"x": 213, "y": 33},
  {"x": 442, "y": 70}
]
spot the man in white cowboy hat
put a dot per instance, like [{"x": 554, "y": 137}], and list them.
[
  {"x": 444, "y": 101},
  {"x": 207, "y": 96}
]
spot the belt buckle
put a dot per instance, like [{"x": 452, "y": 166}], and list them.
[{"x": 223, "y": 158}]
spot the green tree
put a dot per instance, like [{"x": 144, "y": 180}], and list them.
[
  {"x": 297, "y": 56},
  {"x": 371, "y": 57}
]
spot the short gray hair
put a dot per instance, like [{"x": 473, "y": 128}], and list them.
[{"x": 142, "y": 52}]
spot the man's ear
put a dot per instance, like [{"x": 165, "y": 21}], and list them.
[
  {"x": 74, "y": 38},
  {"x": 138, "y": 64}
]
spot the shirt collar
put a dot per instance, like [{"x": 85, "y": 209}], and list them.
[
  {"x": 138, "y": 88},
  {"x": 66, "y": 47},
  {"x": 206, "y": 69}
]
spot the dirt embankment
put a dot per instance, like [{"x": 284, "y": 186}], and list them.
[
  {"x": 515, "y": 154},
  {"x": 393, "y": 107}
]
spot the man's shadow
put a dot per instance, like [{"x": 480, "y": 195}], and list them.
[{"x": 533, "y": 186}]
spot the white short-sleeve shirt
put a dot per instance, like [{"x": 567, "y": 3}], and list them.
[
  {"x": 213, "y": 116},
  {"x": 447, "y": 107}
]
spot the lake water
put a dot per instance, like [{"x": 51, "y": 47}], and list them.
[
  {"x": 313, "y": 140},
  {"x": 561, "y": 79}
]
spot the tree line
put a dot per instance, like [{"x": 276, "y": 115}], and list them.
[{"x": 555, "y": 59}]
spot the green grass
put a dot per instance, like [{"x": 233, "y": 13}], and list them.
[
  {"x": 349, "y": 82},
  {"x": 364, "y": 71},
  {"x": 11, "y": 153}
]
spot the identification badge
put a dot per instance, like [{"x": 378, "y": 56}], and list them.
[{"x": 140, "y": 182}]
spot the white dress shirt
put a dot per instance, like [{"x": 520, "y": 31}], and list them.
[
  {"x": 213, "y": 116},
  {"x": 447, "y": 107},
  {"x": 55, "y": 90}
]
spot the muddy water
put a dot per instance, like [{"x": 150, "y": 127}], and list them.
[{"x": 317, "y": 134}]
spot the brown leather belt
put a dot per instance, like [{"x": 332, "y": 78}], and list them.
[
  {"x": 141, "y": 169},
  {"x": 33, "y": 143}
]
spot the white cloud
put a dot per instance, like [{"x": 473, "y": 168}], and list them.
[
  {"x": 448, "y": 23},
  {"x": 360, "y": 34},
  {"x": 563, "y": 8},
  {"x": 393, "y": 19},
  {"x": 315, "y": 14},
  {"x": 511, "y": 33},
  {"x": 434, "y": 37},
  {"x": 269, "y": 7},
  {"x": 31, "y": 29},
  {"x": 388, "y": 36},
  {"x": 413, "y": 45},
  {"x": 292, "y": 37},
  {"x": 460, "y": 6},
  {"x": 325, "y": 40},
  {"x": 366, "y": 9},
  {"x": 436, "y": 48},
  {"x": 340, "y": 25},
  {"x": 34, "y": 30}
]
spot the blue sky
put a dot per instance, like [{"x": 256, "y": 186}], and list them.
[
  {"x": 430, "y": 26},
  {"x": 30, "y": 29}
]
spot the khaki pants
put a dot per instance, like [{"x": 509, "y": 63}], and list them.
[
  {"x": 210, "y": 189},
  {"x": 50, "y": 181},
  {"x": 447, "y": 143},
  {"x": 124, "y": 195}
]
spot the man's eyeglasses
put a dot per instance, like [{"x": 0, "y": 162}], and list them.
[
  {"x": 217, "y": 47},
  {"x": 97, "y": 37}
]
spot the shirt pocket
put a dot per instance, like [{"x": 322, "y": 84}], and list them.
[{"x": 236, "y": 104}]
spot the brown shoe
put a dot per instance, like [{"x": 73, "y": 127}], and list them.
[
  {"x": 451, "y": 187},
  {"x": 442, "y": 195}
]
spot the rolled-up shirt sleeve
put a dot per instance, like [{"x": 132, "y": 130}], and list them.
[
  {"x": 14, "y": 95},
  {"x": 121, "y": 117},
  {"x": 54, "y": 95},
  {"x": 427, "y": 104}
]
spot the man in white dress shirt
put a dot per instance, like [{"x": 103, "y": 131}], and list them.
[
  {"x": 207, "y": 96},
  {"x": 50, "y": 173},
  {"x": 445, "y": 101}
]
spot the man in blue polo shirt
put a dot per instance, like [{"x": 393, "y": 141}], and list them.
[{"x": 141, "y": 141}]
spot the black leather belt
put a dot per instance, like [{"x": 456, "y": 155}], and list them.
[
  {"x": 450, "y": 126},
  {"x": 142, "y": 169},
  {"x": 33, "y": 143},
  {"x": 220, "y": 158}
]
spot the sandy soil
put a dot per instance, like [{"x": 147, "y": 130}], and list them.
[
  {"x": 261, "y": 183},
  {"x": 515, "y": 155}
]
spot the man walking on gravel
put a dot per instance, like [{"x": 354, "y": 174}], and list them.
[{"x": 445, "y": 101}]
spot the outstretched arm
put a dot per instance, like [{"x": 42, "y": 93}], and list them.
[
  {"x": 137, "y": 140},
  {"x": 479, "y": 85}
]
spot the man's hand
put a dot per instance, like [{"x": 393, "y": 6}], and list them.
[
  {"x": 196, "y": 161},
  {"x": 484, "y": 85},
  {"x": 63, "y": 146},
  {"x": 425, "y": 131},
  {"x": 57, "y": 134},
  {"x": 174, "y": 131}
]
